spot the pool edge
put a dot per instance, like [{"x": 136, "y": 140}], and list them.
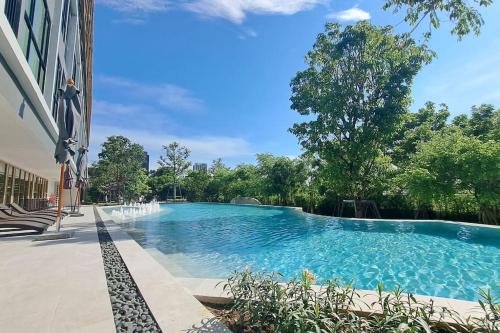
[
  {"x": 209, "y": 290},
  {"x": 300, "y": 210}
]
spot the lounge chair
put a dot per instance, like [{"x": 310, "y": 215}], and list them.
[
  {"x": 23, "y": 225},
  {"x": 21, "y": 210},
  {"x": 32, "y": 218},
  {"x": 13, "y": 214}
]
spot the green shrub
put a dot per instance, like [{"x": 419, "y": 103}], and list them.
[{"x": 266, "y": 305}]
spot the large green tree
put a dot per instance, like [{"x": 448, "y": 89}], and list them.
[
  {"x": 175, "y": 162},
  {"x": 119, "y": 172},
  {"x": 354, "y": 94}
]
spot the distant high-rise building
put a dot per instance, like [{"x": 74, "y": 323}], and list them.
[
  {"x": 200, "y": 167},
  {"x": 145, "y": 164}
]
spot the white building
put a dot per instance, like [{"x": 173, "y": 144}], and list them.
[{"x": 43, "y": 43}]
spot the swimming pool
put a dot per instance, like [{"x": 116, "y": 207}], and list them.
[{"x": 213, "y": 240}]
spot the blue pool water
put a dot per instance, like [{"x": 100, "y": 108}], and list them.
[{"x": 213, "y": 240}]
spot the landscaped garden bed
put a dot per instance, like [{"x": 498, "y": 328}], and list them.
[{"x": 262, "y": 304}]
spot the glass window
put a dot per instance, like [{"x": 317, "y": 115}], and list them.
[
  {"x": 64, "y": 21},
  {"x": 30, "y": 186},
  {"x": 22, "y": 188},
  {"x": 35, "y": 188},
  {"x": 2, "y": 181},
  {"x": 8, "y": 192},
  {"x": 13, "y": 12},
  {"x": 40, "y": 188},
  {"x": 57, "y": 84},
  {"x": 35, "y": 42},
  {"x": 17, "y": 185},
  {"x": 35, "y": 65},
  {"x": 38, "y": 20},
  {"x": 45, "y": 188},
  {"x": 73, "y": 74}
]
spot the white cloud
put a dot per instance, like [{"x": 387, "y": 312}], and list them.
[
  {"x": 351, "y": 14},
  {"x": 146, "y": 6},
  {"x": 247, "y": 32},
  {"x": 203, "y": 148},
  {"x": 237, "y": 10},
  {"x": 250, "y": 32},
  {"x": 130, "y": 20},
  {"x": 232, "y": 10},
  {"x": 167, "y": 95},
  {"x": 107, "y": 108}
]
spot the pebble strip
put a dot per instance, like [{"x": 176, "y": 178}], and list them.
[{"x": 130, "y": 311}]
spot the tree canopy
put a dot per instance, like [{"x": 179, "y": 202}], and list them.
[
  {"x": 451, "y": 166},
  {"x": 175, "y": 162},
  {"x": 463, "y": 15},
  {"x": 354, "y": 94},
  {"x": 119, "y": 172}
]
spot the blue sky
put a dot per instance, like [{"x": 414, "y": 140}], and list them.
[{"x": 214, "y": 74}]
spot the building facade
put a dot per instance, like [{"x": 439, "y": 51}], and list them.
[
  {"x": 200, "y": 167},
  {"x": 145, "y": 164},
  {"x": 43, "y": 43}
]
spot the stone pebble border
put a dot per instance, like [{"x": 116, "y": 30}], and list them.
[{"x": 130, "y": 311}]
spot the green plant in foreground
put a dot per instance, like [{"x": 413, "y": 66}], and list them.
[{"x": 266, "y": 305}]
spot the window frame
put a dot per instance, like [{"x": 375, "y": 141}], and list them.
[
  {"x": 59, "y": 79},
  {"x": 41, "y": 51},
  {"x": 65, "y": 19},
  {"x": 12, "y": 11}
]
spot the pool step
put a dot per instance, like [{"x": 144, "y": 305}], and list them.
[{"x": 169, "y": 262}]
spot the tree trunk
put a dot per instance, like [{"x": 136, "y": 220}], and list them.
[
  {"x": 489, "y": 215},
  {"x": 358, "y": 210}
]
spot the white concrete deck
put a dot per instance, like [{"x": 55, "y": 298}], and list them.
[
  {"x": 60, "y": 285},
  {"x": 55, "y": 286}
]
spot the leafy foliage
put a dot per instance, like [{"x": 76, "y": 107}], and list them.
[
  {"x": 463, "y": 15},
  {"x": 452, "y": 164},
  {"x": 418, "y": 127},
  {"x": 119, "y": 172},
  {"x": 175, "y": 163},
  {"x": 482, "y": 124},
  {"x": 282, "y": 176},
  {"x": 196, "y": 185},
  {"x": 263, "y": 304},
  {"x": 356, "y": 90}
]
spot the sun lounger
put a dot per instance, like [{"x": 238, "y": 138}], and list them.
[
  {"x": 13, "y": 214},
  {"x": 47, "y": 220},
  {"x": 23, "y": 225},
  {"x": 21, "y": 210}
]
